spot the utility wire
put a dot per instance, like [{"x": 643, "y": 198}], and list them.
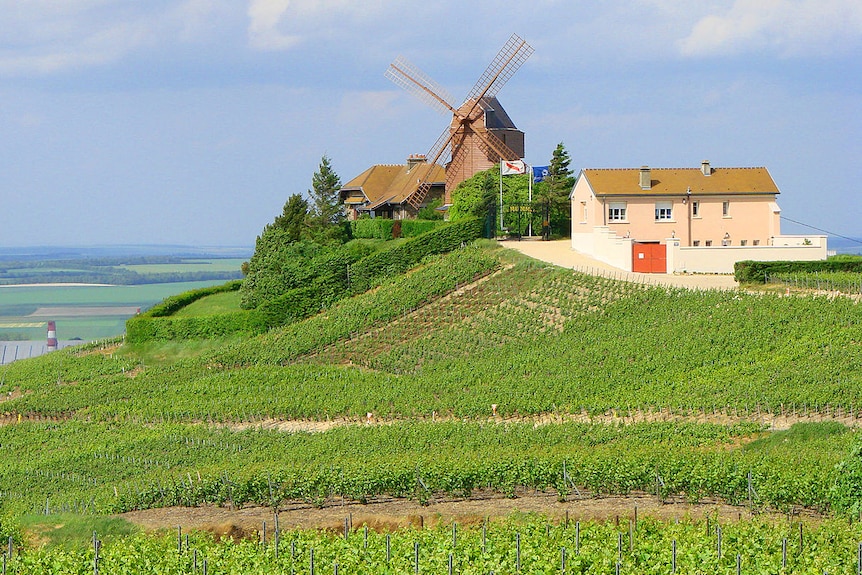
[{"x": 824, "y": 231}]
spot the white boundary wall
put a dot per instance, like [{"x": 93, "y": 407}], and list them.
[
  {"x": 605, "y": 246},
  {"x": 720, "y": 259}
]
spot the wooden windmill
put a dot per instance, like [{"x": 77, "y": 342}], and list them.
[{"x": 480, "y": 134}]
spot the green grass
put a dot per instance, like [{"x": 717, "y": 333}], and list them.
[
  {"x": 73, "y": 531},
  {"x": 212, "y": 305}
]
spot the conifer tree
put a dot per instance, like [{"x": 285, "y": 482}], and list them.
[
  {"x": 326, "y": 216},
  {"x": 293, "y": 217},
  {"x": 553, "y": 193}
]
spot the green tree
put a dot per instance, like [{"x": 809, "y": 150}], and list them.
[
  {"x": 479, "y": 197},
  {"x": 293, "y": 217},
  {"x": 552, "y": 194},
  {"x": 326, "y": 216},
  {"x": 430, "y": 212}
]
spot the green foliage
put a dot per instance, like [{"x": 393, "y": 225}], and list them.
[
  {"x": 372, "y": 228},
  {"x": 401, "y": 257},
  {"x": 413, "y": 228},
  {"x": 157, "y": 323},
  {"x": 551, "y": 196},
  {"x": 476, "y": 196},
  {"x": 758, "y": 272},
  {"x": 846, "y": 494},
  {"x": 430, "y": 211},
  {"x": 383, "y": 229},
  {"x": 326, "y": 220},
  {"x": 528, "y": 544},
  {"x": 293, "y": 219},
  {"x": 141, "y": 329}
]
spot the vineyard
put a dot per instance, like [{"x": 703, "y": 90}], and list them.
[
  {"x": 528, "y": 545},
  {"x": 477, "y": 371}
]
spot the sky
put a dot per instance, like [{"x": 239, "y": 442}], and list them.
[{"x": 192, "y": 121}]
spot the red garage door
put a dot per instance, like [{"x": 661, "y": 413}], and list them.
[{"x": 649, "y": 258}]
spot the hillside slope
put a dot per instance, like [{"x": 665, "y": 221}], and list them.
[{"x": 474, "y": 338}]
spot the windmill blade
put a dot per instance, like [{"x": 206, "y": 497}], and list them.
[
  {"x": 510, "y": 57},
  {"x": 440, "y": 150},
  {"x": 494, "y": 146},
  {"x": 403, "y": 73}
]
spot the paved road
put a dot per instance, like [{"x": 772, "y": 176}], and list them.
[{"x": 560, "y": 253}]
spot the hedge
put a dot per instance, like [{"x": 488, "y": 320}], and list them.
[
  {"x": 174, "y": 303},
  {"x": 757, "y": 272},
  {"x": 385, "y": 229},
  {"x": 141, "y": 328},
  {"x": 372, "y": 269},
  {"x": 273, "y": 274},
  {"x": 372, "y": 228}
]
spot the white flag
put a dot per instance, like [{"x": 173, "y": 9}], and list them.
[{"x": 508, "y": 168}]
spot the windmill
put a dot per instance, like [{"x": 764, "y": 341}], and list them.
[{"x": 470, "y": 143}]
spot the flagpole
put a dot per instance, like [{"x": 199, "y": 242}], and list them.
[
  {"x": 501, "y": 196},
  {"x": 530, "y": 200}
]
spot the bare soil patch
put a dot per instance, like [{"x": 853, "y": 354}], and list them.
[
  {"x": 10, "y": 395},
  {"x": 772, "y": 421},
  {"x": 388, "y": 514}
]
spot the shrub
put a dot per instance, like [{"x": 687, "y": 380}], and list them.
[
  {"x": 400, "y": 258},
  {"x": 757, "y": 272}
]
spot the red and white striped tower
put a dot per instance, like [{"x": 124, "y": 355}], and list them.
[{"x": 52, "y": 336}]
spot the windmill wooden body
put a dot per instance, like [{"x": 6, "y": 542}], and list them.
[{"x": 480, "y": 134}]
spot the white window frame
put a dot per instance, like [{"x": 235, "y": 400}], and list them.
[
  {"x": 695, "y": 209},
  {"x": 617, "y": 212},
  {"x": 664, "y": 211},
  {"x": 725, "y": 209}
]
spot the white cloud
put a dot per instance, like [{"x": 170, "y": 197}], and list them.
[
  {"x": 45, "y": 36},
  {"x": 787, "y": 27},
  {"x": 263, "y": 30},
  {"x": 269, "y": 20}
]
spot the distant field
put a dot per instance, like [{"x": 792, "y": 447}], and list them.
[
  {"x": 32, "y": 305},
  {"x": 214, "y": 265}
]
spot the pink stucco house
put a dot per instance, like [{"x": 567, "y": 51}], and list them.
[{"x": 682, "y": 219}]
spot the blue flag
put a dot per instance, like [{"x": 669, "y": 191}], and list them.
[{"x": 540, "y": 173}]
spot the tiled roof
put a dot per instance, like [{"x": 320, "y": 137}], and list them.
[
  {"x": 676, "y": 181},
  {"x": 393, "y": 184}
]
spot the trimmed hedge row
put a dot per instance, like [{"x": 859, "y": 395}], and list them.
[
  {"x": 157, "y": 323},
  {"x": 140, "y": 329},
  {"x": 170, "y": 305},
  {"x": 756, "y": 272},
  {"x": 371, "y": 270},
  {"x": 366, "y": 273},
  {"x": 272, "y": 274},
  {"x": 385, "y": 229}
]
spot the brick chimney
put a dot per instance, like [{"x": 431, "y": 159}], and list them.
[
  {"x": 415, "y": 159},
  {"x": 704, "y": 167},
  {"x": 645, "y": 179}
]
